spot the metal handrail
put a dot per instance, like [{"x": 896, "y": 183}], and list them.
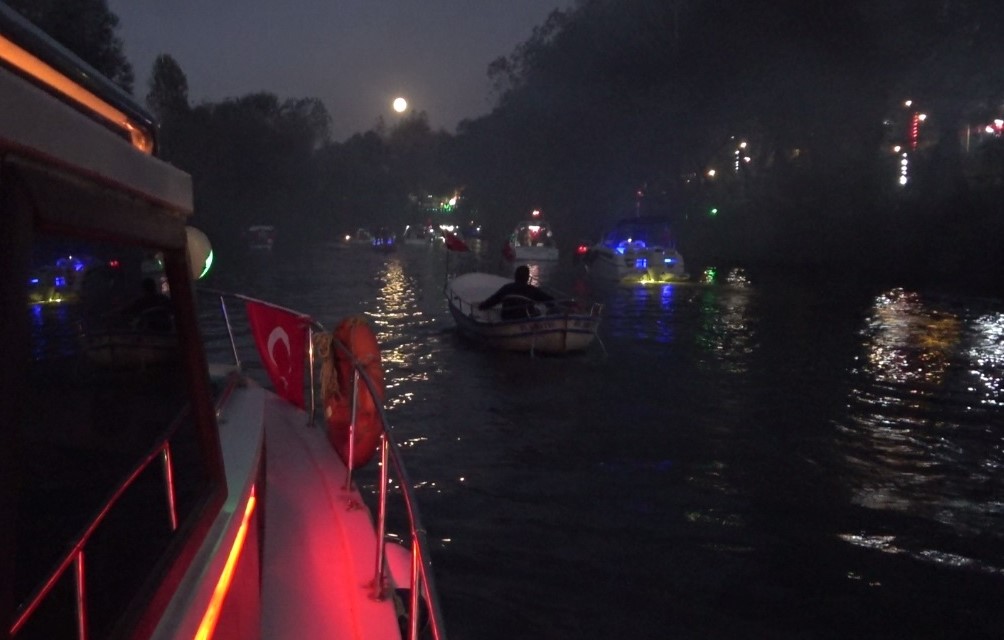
[
  {"x": 422, "y": 581},
  {"x": 75, "y": 556}
]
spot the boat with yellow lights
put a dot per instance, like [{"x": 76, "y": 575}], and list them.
[
  {"x": 172, "y": 497},
  {"x": 639, "y": 250}
]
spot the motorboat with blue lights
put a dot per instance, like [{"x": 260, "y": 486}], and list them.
[
  {"x": 531, "y": 241},
  {"x": 640, "y": 250},
  {"x": 559, "y": 327},
  {"x": 384, "y": 240},
  {"x": 172, "y": 497},
  {"x": 61, "y": 281}
]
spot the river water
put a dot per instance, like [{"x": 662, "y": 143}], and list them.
[{"x": 767, "y": 455}]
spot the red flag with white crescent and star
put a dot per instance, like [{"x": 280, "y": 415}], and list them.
[{"x": 281, "y": 338}]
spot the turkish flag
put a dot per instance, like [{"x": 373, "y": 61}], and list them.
[
  {"x": 281, "y": 338},
  {"x": 453, "y": 243}
]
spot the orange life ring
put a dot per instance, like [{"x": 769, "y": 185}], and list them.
[{"x": 355, "y": 335}]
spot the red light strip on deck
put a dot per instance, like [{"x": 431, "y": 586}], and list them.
[
  {"x": 25, "y": 61},
  {"x": 212, "y": 615}
]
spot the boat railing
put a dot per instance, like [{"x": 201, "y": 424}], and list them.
[
  {"x": 422, "y": 581},
  {"x": 75, "y": 556}
]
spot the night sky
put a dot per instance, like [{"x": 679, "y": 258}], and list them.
[{"x": 353, "y": 55}]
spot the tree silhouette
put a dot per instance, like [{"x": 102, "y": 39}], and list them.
[
  {"x": 168, "y": 93},
  {"x": 85, "y": 27}
]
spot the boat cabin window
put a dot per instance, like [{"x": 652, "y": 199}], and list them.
[{"x": 104, "y": 388}]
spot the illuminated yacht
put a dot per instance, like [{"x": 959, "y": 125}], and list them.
[
  {"x": 638, "y": 250},
  {"x": 63, "y": 280},
  {"x": 531, "y": 241},
  {"x": 170, "y": 497}
]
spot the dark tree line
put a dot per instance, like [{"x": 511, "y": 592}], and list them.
[
  {"x": 619, "y": 106},
  {"x": 619, "y": 97},
  {"x": 85, "y": 27}
]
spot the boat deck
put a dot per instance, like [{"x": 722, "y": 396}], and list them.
[{"x": 319, "y": 547}]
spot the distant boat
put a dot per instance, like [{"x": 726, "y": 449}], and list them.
[
  {"x": 361, "y": 237},
  {"x": 532, "y": 240},
  {"x": 418, "y": 235},
  {"x": 260, "y": 237},
  {"x": 63, "y": 280},
  {"x": 384, "y": 240},
  {"x": 553, "y": 328},
  {"x": 638, "y": 250}
]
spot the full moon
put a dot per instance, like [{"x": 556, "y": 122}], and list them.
[{"x": 400, "y": 104}]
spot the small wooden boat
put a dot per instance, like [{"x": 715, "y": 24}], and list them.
[{"x": 553, "y": 328}]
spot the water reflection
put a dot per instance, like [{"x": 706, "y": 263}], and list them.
[
  {"x": 925, "y": 393},
  {"x": 55, "y": 331},
  {"x": 909, "y": 343},
  {"x": 725, "y": 336},
  {"x": 397, "y": 318},
  {"x": 725, "y": 331},
  {"x": 642, "y": 313},
  {"x": 986, "y": 357}
]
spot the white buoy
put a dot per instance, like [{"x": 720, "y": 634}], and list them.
[{"x": 200, "y": 252}]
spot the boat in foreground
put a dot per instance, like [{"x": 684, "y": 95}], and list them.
[
  {"x": 640, "y": 250},
  {"x": 531, "y": 241},
  {"x": 552, "y": 328},
  {"x": 170, "y": 497}
]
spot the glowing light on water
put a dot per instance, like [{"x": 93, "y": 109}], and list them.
[{"x": 987, "y": 358}]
